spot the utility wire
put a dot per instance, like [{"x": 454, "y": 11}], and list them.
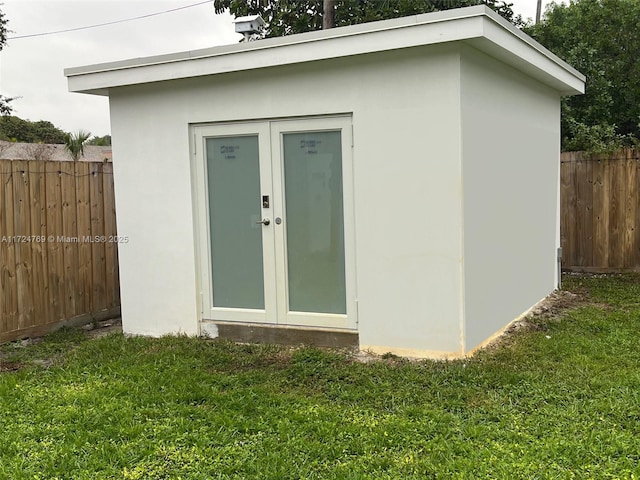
[{"x": 107, "y": 23}]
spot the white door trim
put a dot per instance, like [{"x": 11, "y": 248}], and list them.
[
  {"x": 326, "y": 320},
  {"x": 274, "y": 242}
]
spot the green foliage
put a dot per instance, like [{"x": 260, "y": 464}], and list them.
[
  {"x": 46, "y": 132},
  {"x": 560, "y": 400},
  {"x": 104, "y": 141},
  {"x": 5, "y": 107},
  {"x": 18, "y": 130},
  {"x": 3, "y": 29},
  {"x": 601, "y": 39},
  {"x": 286, "y": 17},
  {"x": 74, "y": 143},
  {"x": 15, "y": 129},
  {"x": 599, "y": 139}
]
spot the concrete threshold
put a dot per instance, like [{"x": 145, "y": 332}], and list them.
[{"x": 281, "y": 335}]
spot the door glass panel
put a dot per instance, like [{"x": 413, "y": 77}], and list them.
[
  {"x": 233, "y": 172},
  {"x": 314, "y": 222}
]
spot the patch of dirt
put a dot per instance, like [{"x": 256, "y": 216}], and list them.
[
  {"x": 558, "y": 302},
  {"x": 554, "y": 305},
  {"x": 104, "y": 328},
  {"x": 92, "y": 330},
  {"x": 10, "y": 366}
]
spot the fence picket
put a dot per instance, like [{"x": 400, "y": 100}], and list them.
[
  {"x": 22, "y": 231},
  {"x": 83, "y": 209},
  {"x": 98, "y": 268},
  {"x": 69, "y": 246},
  {"x": 632, "y": 237},
  {"x": 37, "y": 192},
  {"x": 9, "y": 306},
  {"x": 111, "y": 246}
]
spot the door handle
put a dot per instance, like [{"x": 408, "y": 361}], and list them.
[{"x": 266, "y": 221}]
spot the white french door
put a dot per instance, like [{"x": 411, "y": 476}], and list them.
[{"x": 275, "y": 222}]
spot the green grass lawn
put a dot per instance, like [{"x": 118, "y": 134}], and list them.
[{"x": 558, "y": 400}]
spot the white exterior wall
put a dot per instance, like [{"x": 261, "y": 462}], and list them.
[
  {"x": 408, "y": 194},
  {"x": 406, "y": 119},
  {"x": 153, "y": 204},
  {"x": 511, "y": 150}
]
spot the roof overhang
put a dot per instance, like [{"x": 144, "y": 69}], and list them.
[{"x": 478, "y": 26}]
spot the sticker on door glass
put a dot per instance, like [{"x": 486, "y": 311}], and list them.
[
  {"x": 311, "y": 146},
  {"x": 229, "y": 151}
]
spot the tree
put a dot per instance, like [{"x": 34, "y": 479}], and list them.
[
  {"x": 103, "y": 141},
  {"x": 5, "y": 107},
  {"x": 18, "y": 130},
  {"x": 74, "y": 143},
  {"x": 286, "y": 17},
  {"x": 3, "y": 29},
  {"x": 46, "y": 132},
  {"x": 600, "y": 38},
  {"x": 328, "y": 17}
]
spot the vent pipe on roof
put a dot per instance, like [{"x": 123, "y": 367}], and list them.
[{"x": 251, "y": 27}]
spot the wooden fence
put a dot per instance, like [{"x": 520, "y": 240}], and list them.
[
  {"x": 600, "y": 212},
  {"x": 58, "y": 245}
]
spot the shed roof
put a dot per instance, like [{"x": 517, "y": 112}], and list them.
[{"x": 478, "y": 26}]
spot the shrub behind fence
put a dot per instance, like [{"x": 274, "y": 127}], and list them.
[{"x": 58, "y": 245}]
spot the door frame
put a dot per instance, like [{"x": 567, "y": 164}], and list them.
[
  {"x": 269, "y": 132},
  {"x": 202, "y": 222},
  {"x": 278, "y": 129}
]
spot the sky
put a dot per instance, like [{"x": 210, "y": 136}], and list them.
[{"x": 32, "y": 68}]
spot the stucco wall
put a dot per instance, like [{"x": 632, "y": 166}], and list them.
[
  {"x": 407, "y": 157},
  {"x": 511, "y": 150},
  {"x": 406, "y": 127},
  {"x": 153, "y": 201}
]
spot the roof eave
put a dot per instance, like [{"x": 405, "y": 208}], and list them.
[{"x": 479, "y": 25}]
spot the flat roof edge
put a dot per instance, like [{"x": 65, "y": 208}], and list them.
[
  {"x": 277, "y": 42},
  {"x": 502, "y": 22},
  {"x": 366, "y": 38}
]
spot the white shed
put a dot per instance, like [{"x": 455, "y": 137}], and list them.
[{"x": 394, "y": 184}]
